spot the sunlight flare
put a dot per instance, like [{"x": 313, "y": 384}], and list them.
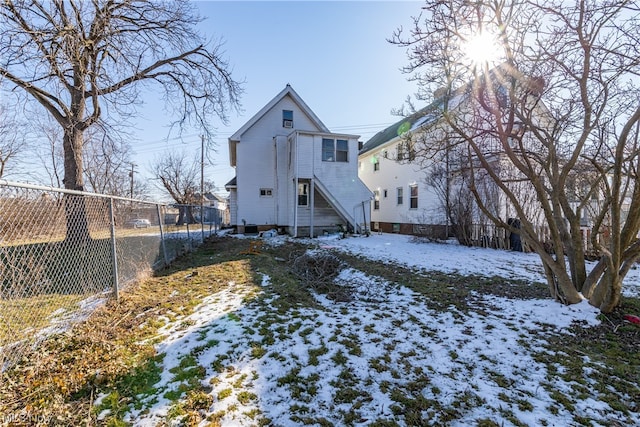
[{"x": 481, "y": 48}]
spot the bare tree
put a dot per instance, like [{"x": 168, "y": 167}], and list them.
[
  {"x": 562, "y": 103},
  {"x": 80, "y": 58},
  {"x": 448, "y": 178},
  {"x": 12, "y": 141},
  {"x": 180, "y": 177},
  {"x": 108, "y": 166}
]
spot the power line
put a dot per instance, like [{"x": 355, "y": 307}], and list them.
[{"x": 159, "y": 145}]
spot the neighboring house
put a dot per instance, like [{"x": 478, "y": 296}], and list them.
[
  {"x": 398, "y": 165},
  {"x": 294, "y": 174},
  {"x": 221, "y": 205},
  {"x": 403, "y": 203}
]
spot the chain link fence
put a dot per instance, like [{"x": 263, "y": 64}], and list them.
[{"x": 63, "y": 253}]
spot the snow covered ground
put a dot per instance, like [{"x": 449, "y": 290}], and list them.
[
  {"x": 384, "y": 358},
  {"x": 453, "y": 258}
]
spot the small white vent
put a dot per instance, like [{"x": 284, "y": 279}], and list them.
[{"x": 287, "y": 124}]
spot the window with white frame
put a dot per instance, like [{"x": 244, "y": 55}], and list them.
[
  {"x": 342, "y": 150},
  {"x": 399, "y": 195},
  {"x": 376, "y": 164},
  {"x": 400, "y": 151},
  {"x": 303, "y": 194},
  {"x": 376, "y": 200},
  {"x": 413, "y": 196},
  {"x": 266, "y": 192},
  {"x": 335, "y": 150},
  {"x": 405, "y": 151},
  {"x": 287, "y": 119},
  {"x": 328, "y": 150}
]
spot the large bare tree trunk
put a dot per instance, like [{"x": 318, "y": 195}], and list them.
[
  {"x": 75, "y": 205},
  {"x": 607, "y": 293},
  {"x": 559, "y": 282}
]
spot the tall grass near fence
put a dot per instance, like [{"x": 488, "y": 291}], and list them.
[{"x": 64, "y": 252}]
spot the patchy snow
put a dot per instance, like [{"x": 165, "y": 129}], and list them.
[
  {"x": 359, "y": 358},
  {"x": 453, "y": 258}
]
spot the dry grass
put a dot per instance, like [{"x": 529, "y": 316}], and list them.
[
  {"x": 59, "y": 380},
  {"x": 19, "y": 323},
  {"x": 113, "y": 351}
]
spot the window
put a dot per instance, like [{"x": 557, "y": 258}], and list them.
[
  {"x": 266, "y": 192},
  {"x": 384, "y": 192},
  {"x": 342, "y": 150},
  {"x": 400, "y": 155},
  {"x": 328, "y": 150},
  {"x": 413, "y": 196},
  {"x": 303, "y": 194},
  {"x": 287, "y": 119},
  {"x": 406, "y": 151},
  {"x": 399, "y": 195},
  {"x": 376, "y": 164},
  {"x": 376, "y": 200},
  {"x": 335, "y": 150}
]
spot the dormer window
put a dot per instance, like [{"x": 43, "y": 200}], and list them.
[{"x": 287, "y": 119}]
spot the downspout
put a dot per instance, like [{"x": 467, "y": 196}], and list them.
[
  {"x": 275, "y": 184},
  {"x": 312, "y": 186},
  {"x": 295, "y": 192}
]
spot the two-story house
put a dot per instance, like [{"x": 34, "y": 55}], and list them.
[
  {"x": 422, "y": 172},
  {"x": 293, "y": 174},
  {"x": 402, "y": 200}
]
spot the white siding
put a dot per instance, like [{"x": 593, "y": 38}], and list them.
[
  {"x": 339, "y": 178},
  {"x": 390, "y": 176},
  {"x": 256, "y": 164},
  {"x": 270, "y": 156},
  {"x": 233, "y": 207}
]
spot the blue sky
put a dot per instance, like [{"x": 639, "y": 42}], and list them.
[{"x": 333, "y": 53}]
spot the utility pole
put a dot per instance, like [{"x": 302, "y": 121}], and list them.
[
  {"x": 131, "y": 180},
  {"x": 131, "y": 172},
  {"x": 202, "y": 185}
]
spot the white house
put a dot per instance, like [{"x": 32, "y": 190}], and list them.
[
  {"x": 294, "y": 174},
  {"x": 404, "y": 165},
  {"x": 219, "y": 203},
  {"x": 402, "y": 201}
]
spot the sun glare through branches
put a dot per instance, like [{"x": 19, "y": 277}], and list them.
[{"x": 481, "y": 48}]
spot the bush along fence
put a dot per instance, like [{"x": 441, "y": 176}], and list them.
[{"x": 62, "y": 253}]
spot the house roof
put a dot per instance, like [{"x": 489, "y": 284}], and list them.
[
  {"x": 433, "y": 112},
  {"x": 422, "y": 117},
  {"x": 287, "y": 91},
  {"x": 212, "y": 196},
  {"x": 231, "y": 184}
]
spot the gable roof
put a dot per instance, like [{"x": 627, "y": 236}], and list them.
[
  {"x": 434, "y": 111},
  {"x": 287, "y": 91},
  {"x": 212, "y": 196},
  {"x": 422, "y": 117},
  {"x": 233, "y": 183}
]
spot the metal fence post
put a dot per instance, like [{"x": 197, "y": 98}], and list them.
[
  {"x": 162, "y": 243},
  {"x": 114, "y": 253}
]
